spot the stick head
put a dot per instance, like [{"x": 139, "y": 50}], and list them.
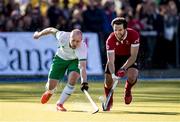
[
  {"x": 95, "y": 111},
  {"x": 103, "y": 107},
  {"x": 102, "y": 99}
]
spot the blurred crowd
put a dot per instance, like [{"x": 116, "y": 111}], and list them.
[{"x": 156, "y": 20}]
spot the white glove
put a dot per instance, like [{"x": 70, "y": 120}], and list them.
[{"x": 114, "y": 77}]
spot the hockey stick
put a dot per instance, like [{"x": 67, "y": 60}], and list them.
[
  {"x": 96, "y": 109},
  {"x": 105, "y": 104}
]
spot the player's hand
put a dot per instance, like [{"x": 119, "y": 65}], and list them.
[
  {"x": 114, "y": 77},
  {"x": 36, "y": 35},
  {"x": 121, "y": 73},
  {"x": 84, "y": 86}
]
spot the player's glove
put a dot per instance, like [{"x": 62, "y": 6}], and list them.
[
  {"x": 121, "y": 73},
  {"x": 84, "y": 86},
  {"x": 114, "y": 77}
]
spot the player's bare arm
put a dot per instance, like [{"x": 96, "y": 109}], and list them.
[
  {"x": 111, "y": 59},
  {"x": 132, "y": 58},
  {"x": 46, "y": 31},
  {"x": 82, "y": 67},
  {"x": 84, "y": 83}
]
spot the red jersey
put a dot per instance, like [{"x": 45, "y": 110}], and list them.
[{"x": 123, "y": 47}]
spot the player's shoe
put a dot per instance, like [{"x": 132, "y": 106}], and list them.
[
  {"x": 60, "y": 107},
  {"x": 127, "y": 93},
  {"x": 45, "y": 97},
  {"x": 127, "y": 96}
]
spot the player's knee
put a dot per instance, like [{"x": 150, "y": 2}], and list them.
[
  {"x": 108, "y": 81},
  {"x": 132, "y": 78},
  {"x": 132, "y": 75},
  {"x": 73, "y": 77}
]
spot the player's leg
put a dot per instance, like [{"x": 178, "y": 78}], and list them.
[
  {"x": 68, "y": 90},
  {"x": 50, "y": 89},
  {"x": 73, "y": 76},
  {"x": 108, "y": 83},
  {"x": 132, "y": 75},
  {"x": 56, "y": 72}
]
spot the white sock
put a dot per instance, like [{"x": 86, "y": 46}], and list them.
[{"x": 68, "y": 90}]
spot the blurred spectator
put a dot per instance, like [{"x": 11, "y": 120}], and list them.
[
  {"x": 66, "y": 9},
  {"x": 2, "y": 22},
  {"x": 62, "y": 23},
  {"x": 43, "y": 7},
  {"x": 109, "y": 14},
  {"x": 124, "y": 8},
  {"x": 36, "y": 21},
  {"x": 54, "y": 12},
  {"x": 45, "y": 23},
  {"x": 93, "y": 17},
  {"x": 20, "y": 25},
  {"x": 159, "y": 57},
  {"x": 149, "y": 20},
  {"x": 3, "y": 9},
  {"x": 10, "y": 25},
  {"x": 77, "y": 20},
  {"x": 81, "y": 4},
  {"x": 10, "y": 6},
  {"x": 170, "y": 24},
  {"x": 133, "y": 22},
  {"x": 29, "y": 8},
  {"x": 2, "y": 15},
  {"x": 134, "y": 3},
  {"x": 27, "y": 17},
  {"x": 15, "y": 16}
]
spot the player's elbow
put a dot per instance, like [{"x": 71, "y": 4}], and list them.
[
  {"x": 52, "y": 30},
  {"x": 133, "y": 58},
  {"x": 110, "y": 63}
]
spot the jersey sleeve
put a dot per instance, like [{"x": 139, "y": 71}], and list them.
[
  {"x": 110, "y": 45},
  {"x": 135, "y": 39},
  {"x": 82, "y": 52},
  {"x": 62, "y": 37}
]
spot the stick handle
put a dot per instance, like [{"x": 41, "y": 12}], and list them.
[
  {"x": 115, "y": 84},
  {"x": 110, "y": 93}
]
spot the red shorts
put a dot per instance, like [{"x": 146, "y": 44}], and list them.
[{"x": 119, "y": 62}]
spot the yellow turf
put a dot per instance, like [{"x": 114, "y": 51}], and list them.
[
  {"x": 81, "y": 112},
  {"x": 153, "y": 102}
]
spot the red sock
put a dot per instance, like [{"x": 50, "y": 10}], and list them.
[
  {"x": 128, "y": 85},
  {"x": 106, "y": 92}
]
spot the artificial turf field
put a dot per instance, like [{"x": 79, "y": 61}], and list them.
[{"x": 154, "y": 101}]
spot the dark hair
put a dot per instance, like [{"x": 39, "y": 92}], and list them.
[{"x": 119, "y": 21}]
